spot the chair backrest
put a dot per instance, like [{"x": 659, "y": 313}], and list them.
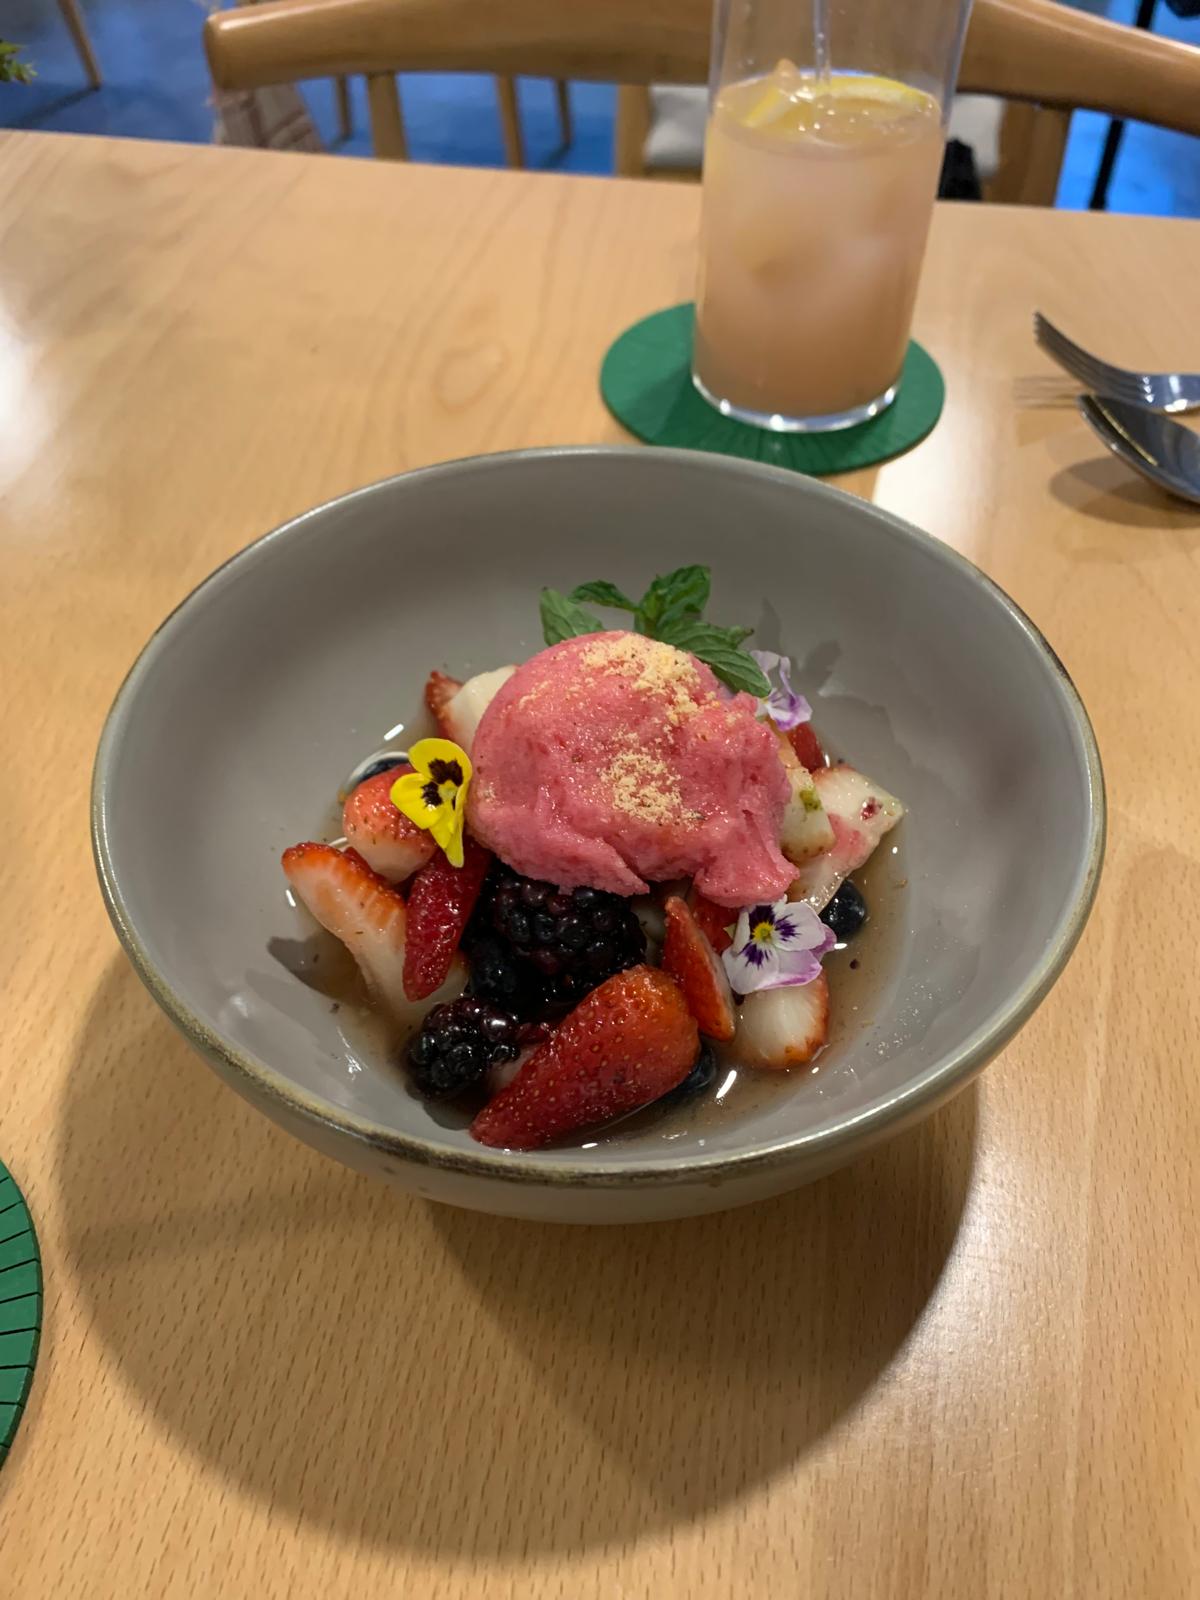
[{"x": 1031, "y": 50}]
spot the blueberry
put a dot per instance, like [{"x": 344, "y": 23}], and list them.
[
  {"x": 846, "y": 912},
  {"x": 534, "y": 894},
  {"x": 374, "y": 768},
  {"x": 701, "y": 1075},
  {"x": 545, "y": 928}
]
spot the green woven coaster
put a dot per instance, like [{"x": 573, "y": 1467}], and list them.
[
  {"x": 20, "y": 1307},
  {"x": 646, "y": 381}
]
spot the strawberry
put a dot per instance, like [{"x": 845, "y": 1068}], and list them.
[
  {"x": 439, "y": 691},
  {"x": 781, "y": 1028},
  {"x": 441, "y": 899},
  {"x": 387, "y": 841},
  {"x": 465, "y": 708},
  {"x": 692, "y": 962},
  {"x": 630, "y": 1041},
  {"x": 367, "y": 914},
  {"x": 715, "y": 922},
  {"x": 807, "y": 746}
]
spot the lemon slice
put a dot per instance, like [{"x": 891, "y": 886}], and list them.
[
  {"x": 876, "y": 91},
  {"x": 789, "y": 101},
  {"x": 786, "y": 90}
]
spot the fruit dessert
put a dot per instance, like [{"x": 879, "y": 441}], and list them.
[{"x": 613, "y": 865}]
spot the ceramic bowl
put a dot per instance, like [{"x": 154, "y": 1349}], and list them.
[{"x": 231, "y": 734}]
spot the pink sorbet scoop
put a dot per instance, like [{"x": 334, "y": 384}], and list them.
[{"x": 611, "y": 759}]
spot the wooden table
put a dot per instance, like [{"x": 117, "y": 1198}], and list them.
[{"x": 965, "y": 1367}]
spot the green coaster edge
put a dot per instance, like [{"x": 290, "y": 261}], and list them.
[
  {"x": 646, "y": 382},
  {"x": 20, "y": 1307}
]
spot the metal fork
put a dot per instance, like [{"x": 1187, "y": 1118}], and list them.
[{"x": 1157, "y": 391}]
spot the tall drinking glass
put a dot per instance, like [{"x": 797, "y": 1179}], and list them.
[{"x": 825, "y": 136}]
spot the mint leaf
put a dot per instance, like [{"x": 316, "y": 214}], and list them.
[
  {"x": 603, "y": 594},
  {"x": 719, "y": 648},
  {"x": 563, "y": 619},
  {"x": 673, "y": 596}
]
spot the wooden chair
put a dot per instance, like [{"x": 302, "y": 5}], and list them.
[
  {"x": 81, "y": 39},
  {"x": 510, "y": 117},
  {"x": 1032, "y": 51}
]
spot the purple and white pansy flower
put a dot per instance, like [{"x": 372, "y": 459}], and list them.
[
  {"x": 786, "y": 708},
  {"x": 776, "y": 946}
]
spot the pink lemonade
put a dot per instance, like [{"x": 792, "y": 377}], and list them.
[{"x": 817, "y": 200}]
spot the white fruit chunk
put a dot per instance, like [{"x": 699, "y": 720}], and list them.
[
  {"x": 860, "y": 813},
  {"x": 464, "y": 710},
  {"x": 806, "y": 830},
  {"x": 781, "y": 1028}
]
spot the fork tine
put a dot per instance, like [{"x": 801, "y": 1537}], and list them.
[
  {"x": 1052, "y": 338},
  {"x": 1101, "y": 376},
  {"x": 1089, "y": 369},
  {"x": 1158, "y": 390},
  {"x": 1047, "y": 332}
]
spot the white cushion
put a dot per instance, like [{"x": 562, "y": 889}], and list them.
[{"x": 676, "y": 138}]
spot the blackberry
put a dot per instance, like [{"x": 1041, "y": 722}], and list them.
[
  {"x": 500, "y": 979},
  {"x": 562, "y": 943},
  {"x": 458, "y": 1042},
  {"x": 846, "y": 912}
]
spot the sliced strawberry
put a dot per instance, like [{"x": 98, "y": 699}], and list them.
[
  {"x": 441, "y": 899},
  {"x": 387, "y": 841},
  {"x": 781, "y": 1028},
  {"x": 439, "y": 691},
  {"x": 367, "y": 914},
  {"x": 630, "y": 1041},
  {"x": 715, "y": 922},
  {"x": 807, "y": 746},
  {"x": 464, "y": 710},
  {"x": 692, "y": 962}
]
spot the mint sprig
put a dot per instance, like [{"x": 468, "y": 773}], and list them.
[
  {"x": 671, "y": 610},
  {"x": 563, "y": 619}
]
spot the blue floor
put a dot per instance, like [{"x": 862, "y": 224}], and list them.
[{"x": 156, "y": 87}]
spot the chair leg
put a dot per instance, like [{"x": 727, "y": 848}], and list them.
[
  {"x": 632, "y": 127},
  {"x": 510, "y": 121},
  {"x": 562, "y": 91},
  {"x": 1032, "y": 141},
  {"x": 73, "y": 18},
  {"x": 345, "y": 113},
  {"x": 387, "y": 119}
]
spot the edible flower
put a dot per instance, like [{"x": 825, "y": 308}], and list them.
[
  {"x": 434, "y": 796},
  {"x": 777, "y": 946},
  {"x": 786, "y": 708}
]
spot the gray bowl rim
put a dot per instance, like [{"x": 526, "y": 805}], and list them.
[{"x": 941, "y": 1078}]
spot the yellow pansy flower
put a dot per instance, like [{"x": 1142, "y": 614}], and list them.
[{"x": 435, "y": 795}]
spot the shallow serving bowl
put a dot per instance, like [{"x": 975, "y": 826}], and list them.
[{"x": 231, "y": 734}]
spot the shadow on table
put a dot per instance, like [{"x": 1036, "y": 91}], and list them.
[
  {"x": 417, "y": 1377},
  {"x": 1106, "y": 490}
]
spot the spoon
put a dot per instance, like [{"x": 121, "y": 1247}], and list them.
[{"x": 1162, "y": 450}]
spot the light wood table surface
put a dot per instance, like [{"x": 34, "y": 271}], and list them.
[{"x": 966, "y": 1367}]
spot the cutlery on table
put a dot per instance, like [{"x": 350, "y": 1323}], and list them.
[
  {"x": 1159, "y": 391},
  {"x": 1164, "y": 451}
]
